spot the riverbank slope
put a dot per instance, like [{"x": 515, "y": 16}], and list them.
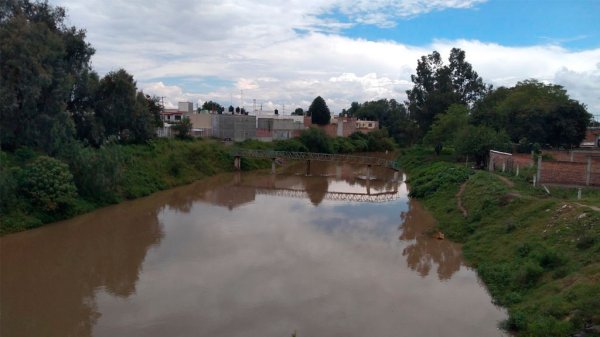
[
  {"x": 36, "y": 189},
  {"x": 538, "y": 253}
]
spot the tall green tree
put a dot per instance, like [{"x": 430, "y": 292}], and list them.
[
  {"x": 535, "y": 112},
  {"x": 124, "y": 112},
  {"x": 41, "y": 60},
  {"x": 319, "y": 112},
  {"x": 298, "y": 112},
  {"x": 436, "y": 86}
]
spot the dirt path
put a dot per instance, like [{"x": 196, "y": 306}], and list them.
[
  {"x": 505, "y": 180},
  {"x": 459, "y": 199},
  {"x": 597, "y": 209}
]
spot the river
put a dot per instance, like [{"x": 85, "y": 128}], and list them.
[{"x": 247, "y": 254}]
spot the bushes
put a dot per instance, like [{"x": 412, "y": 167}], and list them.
[
  {"x": 436, "y": 176},
  {"x": 36, "y": 190},
  {"x": 49, "y": 184}
]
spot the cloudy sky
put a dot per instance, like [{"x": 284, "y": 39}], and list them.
[{"x": 285, "y": 53}]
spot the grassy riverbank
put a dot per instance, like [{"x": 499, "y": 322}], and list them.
[
  {"x": 538, "y": 254},
  {"x": 36, "y": 188},
  {"x": 32, "y": 193}
]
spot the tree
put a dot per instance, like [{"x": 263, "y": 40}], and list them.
[
  {"x": 477, "y": 141},
  {"x": 230, "y": 109},
  {"x": 534, "y": 112},
  {"x": 437, "y": 86},
  {"x": 391, "y": 115},
  {"x": 447, "y": 125},
  {"x": 213, "y": 106},
  {"x": 298, "y": 112},
  {"x": 124, "y": 112},
  {"x": 183, "y": 128},
  {"x": 319, "y": 112},
  {"x": 41, "y": 60}
]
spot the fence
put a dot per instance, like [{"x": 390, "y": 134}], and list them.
[{"x": 579, "y": 168}]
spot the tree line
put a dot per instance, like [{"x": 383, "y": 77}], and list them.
[
  {"x": 51, "y": 95},
  {"x": 450, "y": 105}
]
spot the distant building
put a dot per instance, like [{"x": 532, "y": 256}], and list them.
[
  {"x": 345, "y": 126},
  {"x": 201, "y": 122},
  {"x": 233, "y": 127},
  {"x": 366, "y": 126},
  {"x": 185, "y": 107},
  {"x": 278, "y": 127},
  {"x": 592, "y": 138}
]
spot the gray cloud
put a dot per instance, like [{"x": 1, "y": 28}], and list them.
[{"x": 286, "y": 54}]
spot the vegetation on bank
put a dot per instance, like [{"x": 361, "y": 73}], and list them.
[
  {"x": 538, "y": 254},
  {"x": 36, "y": 188}
]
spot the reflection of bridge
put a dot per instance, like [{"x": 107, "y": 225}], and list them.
[
  {"x": 308, "y": 156},
  {"x": 339, "y": 196}
]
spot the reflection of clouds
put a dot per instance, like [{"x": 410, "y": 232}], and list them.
[
  {"x": 280, "y": 265},
  {"x": 266, "y": 268}
]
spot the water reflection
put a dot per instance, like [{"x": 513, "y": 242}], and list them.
[
  {"x": 50, "y": 275},
  {"x": 424, "y": 252},
  {"x": 227, "y": 256}
]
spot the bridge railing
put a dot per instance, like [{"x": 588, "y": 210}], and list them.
[{"x": 351, "y": 159}]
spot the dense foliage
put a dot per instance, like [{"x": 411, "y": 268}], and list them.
[
  {"x": 316, "y": 140},
  {"x": 437, "y": 86},
  {"x": 319, "y": 112},
  {"x": 534, "y": 112},
  {"x": 37, "y": 189},
  {"x": 50, "y": 94}
]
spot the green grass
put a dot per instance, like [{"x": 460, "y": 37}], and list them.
[{"x": 538, "y": 254}]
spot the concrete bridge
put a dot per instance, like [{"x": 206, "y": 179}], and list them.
[{"x": 309, "y": 156}]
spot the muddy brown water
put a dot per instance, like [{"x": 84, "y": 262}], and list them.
[{"x": 247, "y": 254}]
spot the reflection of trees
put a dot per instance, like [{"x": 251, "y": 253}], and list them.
[
  {"x": 316, "y": 188},
  {"x": 50, "y": 275},
  {"x": 427, "y": 251}
]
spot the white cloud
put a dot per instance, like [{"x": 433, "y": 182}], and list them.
[{"x": 290, "y": 53}]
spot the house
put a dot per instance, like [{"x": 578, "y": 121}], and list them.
[
  {"x": 592, "y": 138},
  {"x": 366, "y": 126}
]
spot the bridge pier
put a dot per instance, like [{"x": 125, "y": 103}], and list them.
[
  {"x": 368, "y": 179},
  {"x": 237, "y": 162},
  {"x": 273, "y": 165},
  {"x": 308, "y": 167},
  {"x": 395, "y": 176}
]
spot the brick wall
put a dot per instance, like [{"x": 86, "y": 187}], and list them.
[
  {"x": 577, "y": 156},
  {"x": 570, "y": 173},
  {"x": 563, "y": 172},
  {"x": 499, "y": 160}
]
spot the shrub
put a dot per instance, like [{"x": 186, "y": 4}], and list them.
[
  {"x": 529, "y": 274},
  {"x": 48, "y": 184},
  {"x": 316, "y": 140}
]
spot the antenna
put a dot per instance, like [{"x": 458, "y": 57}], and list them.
[{"x": 242, "y": 98}]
